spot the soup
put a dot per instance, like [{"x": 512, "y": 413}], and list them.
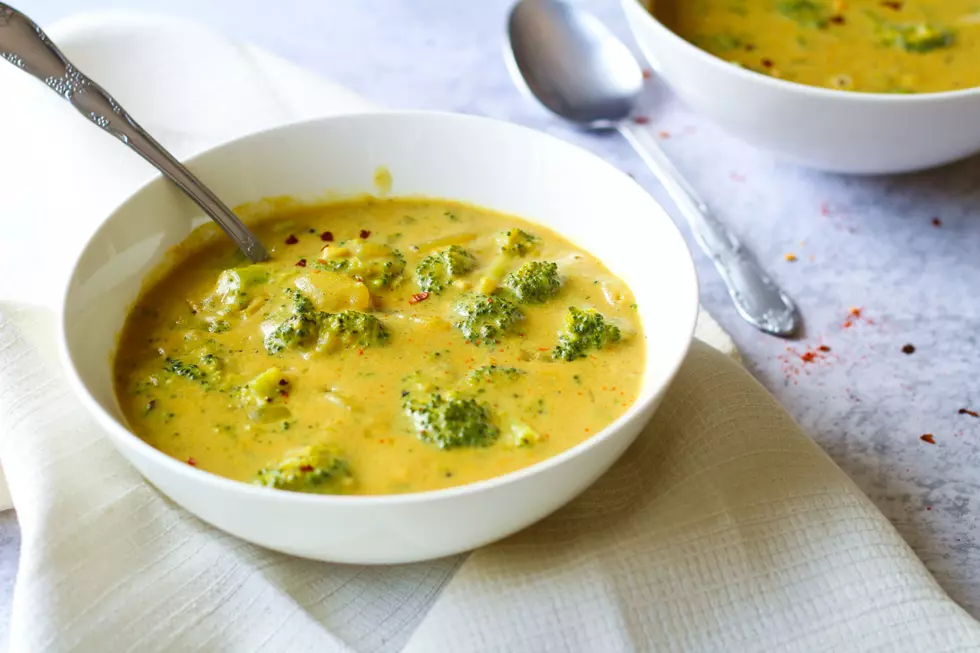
[
  {"x": 388, "y": 346},
  {"x": 906, "y": 46}
]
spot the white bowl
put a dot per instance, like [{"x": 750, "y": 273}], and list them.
[
  {"x": 489, "y": 163},
  {"x": 838, "y": 131}
]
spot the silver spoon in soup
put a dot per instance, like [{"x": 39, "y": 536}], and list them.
[
  {"x": 23, "y": 44},
  {"x": 573, "y": 65}
]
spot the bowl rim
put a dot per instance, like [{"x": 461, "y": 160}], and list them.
[
  {"x": 784, "y": 84},
  {"x": 122, "y": 434}
]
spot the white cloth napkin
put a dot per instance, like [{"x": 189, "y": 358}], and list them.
[{"x": 723, "y": 528}]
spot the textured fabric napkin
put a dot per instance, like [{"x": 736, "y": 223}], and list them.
[{"x": 723, "y": 528}]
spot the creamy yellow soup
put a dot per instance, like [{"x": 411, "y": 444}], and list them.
[
  {"x": 388, "y": 346},
  {"x": 903, "y": 46}
]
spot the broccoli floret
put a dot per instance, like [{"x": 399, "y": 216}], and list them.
[
  {"x": 518, "y": 242},
  {"x": 189, "y": 371},
  {"x": 584, "y": 331},
  {"x": 917, "y": 37},
  {"x": 807, "y": 13},
  {"x": 315, "y": 468},
  {"x": 450, "y": 421},
  {"x": 436, "y": 271},
  {"x": 233, "y": 285},
  {"x": 294, "y": 325},
  {"x": 297, "y": 324},
  {"x": 216, "y": 325},
  {"x": 348, "y": 330},
  {"x": 486, "y": 319},
  {"x": 493, "y": 374},
  {"x": 377, "y": 265},
  {"x": 522, "y": 434},
  {"x": 264, "y": 388},
  {"x": 534, "y": 283}
]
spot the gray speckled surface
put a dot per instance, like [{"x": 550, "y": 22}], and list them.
[{"x": 860, "y": 242}]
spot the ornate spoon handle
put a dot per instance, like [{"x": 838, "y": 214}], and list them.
[
  {"x": 23, "y": 44},
  {"x": 757, "y": 297}
]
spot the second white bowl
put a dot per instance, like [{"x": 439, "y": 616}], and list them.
[{"x": 837, "y": 131}]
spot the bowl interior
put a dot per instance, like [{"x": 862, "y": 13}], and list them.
[{"x": 488, "y": 163}]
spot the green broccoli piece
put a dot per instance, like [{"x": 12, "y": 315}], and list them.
[
  {"x": 450, "y": 421},
  {"x": 436, "y": 271},
  {"x": 264, "y": 388},
  {"x": 534, "y": 283},
  {"x": 376, "y": 265},
  {"x": 585, "y": 331},
  {"x": 315, "y": 468},
  {"x": 298, "y": 324},
  {"x": 189, "y": 371},
  {"x": 348, "y": 330},
  {"x": 294, "y": 325},
  {"x": 807, "y": 13},
  {"x": 233, "y": 285},
  {"x": 206, "y": 368},
  {"x": 518, "y": 242},
  {"x": 917, "y": 37},
  {"x": 488, "y": 374},
  {"x": 216, "y": 325},
  {"x": 522, "y": 435},
  {"x": 486, "y": 319}
]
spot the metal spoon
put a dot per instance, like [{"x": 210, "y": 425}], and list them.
[
  {"x": 573, "y": 65},
  {"x": 24, "y": 45}
]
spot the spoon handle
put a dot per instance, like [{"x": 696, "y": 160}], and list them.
[
  {"x": 23, "y": 44},
  {"x": 757, "y": 298}
]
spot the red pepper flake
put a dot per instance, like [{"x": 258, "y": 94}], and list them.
[
  {"x": 856, "y": 312},
  {"x": 936, "y": 222},
  {"x": 767, "y": 63},
  {"x": 664, "y": 135},
  {"x": 928, "y": 438},
  {"x": 283, "y": 382},
  {"x": 837, "y": 20},
  {"x": 192, "y": 462},
  {"x": 647, "y": 73},
  {"x": 790, "y": 257},
  {"x": 908, "y": 349},
  {"x": 824, "y": 348},
  {"x": 360, "y": 352},
  {"x": 292, "y": 240},
  {"x": 967, "y": 411},
  {"x": 808, "y": 356},
  {"x": 284, "y": 394},
  {"x": 364, "y": 233},
  {"x": 326, "y": 237},
  {"x": 418, "y": 297},
  {"x": 895, "y": 6},
  {"x": 306, "y": 468},
  {"x": 641, "y": 120},
  {"x": 301, "y": 263}
]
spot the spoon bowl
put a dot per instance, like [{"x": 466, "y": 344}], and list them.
[{"x": 567, "y": 61}]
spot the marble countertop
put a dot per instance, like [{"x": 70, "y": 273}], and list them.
[{"x": 902, "y": 251}]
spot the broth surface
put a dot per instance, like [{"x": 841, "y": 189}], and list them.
[
  {"x": 908, "y": 46},
  {"x": 242, "y": 370}
]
